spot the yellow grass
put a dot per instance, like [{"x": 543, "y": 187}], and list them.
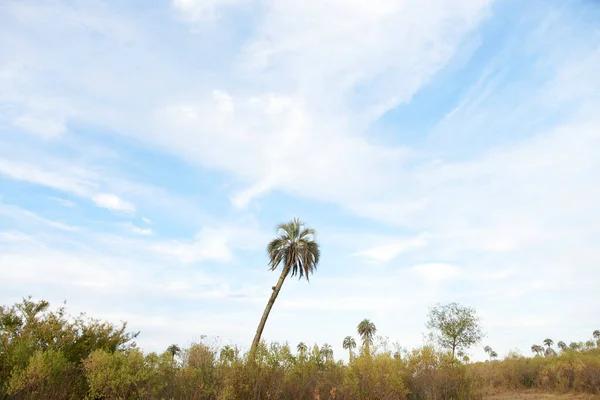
[{"x": 531, "y": 395}]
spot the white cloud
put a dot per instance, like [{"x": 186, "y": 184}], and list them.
[
  {"x": 197, "y": 10},
  {"x": 389, "y": 251},
  {"x": 63, "y": 202},
  {"x": 146, "y": 220},
  {"x": 137, "y": 230},
  {"x": 113, "y": 203}
]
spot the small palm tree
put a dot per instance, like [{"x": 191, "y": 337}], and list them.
[
  {"x": 227, "y": 354},
  {"x": 548, "y": 342},
  {"x": 301, "y": 348},
  {"x": 590, "y": 345},
  {"x": 597, "y": 337},
  {"x": 366, "y": 330},
  {"x": 327, "y": 352},
  {"x": 562, "y": 346},
  {"x": 493, "y": 355},
  {"x": 537, "y": 349},
  {"x": 294, "y": 247},
  {"x": 174, "y": 350},
  {"x": 348, "y": 344}
]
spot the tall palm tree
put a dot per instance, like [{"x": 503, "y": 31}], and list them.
[
  {"x": 348, "y": 344},
  {"x": 597, "y": 337},
  {"x": 327, "y": 352},
  {"x": 562, "y": 345},
  {"x": 493, "y": 355},
  {"x": 301, "y": 348},
  {"x": 294, "y": 247},
  {"x": 174, "y": 350},
  {"x": 366, "y": 330},
  {"x": 548, "y": 342}
]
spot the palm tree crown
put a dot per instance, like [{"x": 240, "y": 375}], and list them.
[
  {"x": 366, "y": 330},
  {"x": 548, "y": 342},
  {"x": 296, "y": 248},
  {"x": 301, "y": 347},
  {"x": 174, "y": 350},
  {"x": 349, "y": 343},
  {"x": 596, "y": 334}
]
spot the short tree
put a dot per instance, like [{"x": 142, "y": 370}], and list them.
[{"x": 454, "y": 327}]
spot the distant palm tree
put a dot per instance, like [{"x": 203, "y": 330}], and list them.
[
  {"x": 562, "y": 346},
  {"x": 597, "y": 337},
  {"x": 366, "y": 330},
  {"x": 294, "y": 247},
  {"x": 575, "y": 346},
  {"x": 590, "y": 345},
  {"x": 327, "y": 352},
  {"x": 487, "y": 349},
  {"x": 301, "y": 348},
  {"x": 348, "y": 344},
  {"x": 548, "y": 342},
  {"x": 537, "y": 349},
  {"x": 227, "y": 354},
  {"x": 174, "y": 350},
  {"x": 493, "y": 355}
]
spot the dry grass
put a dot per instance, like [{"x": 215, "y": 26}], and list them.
[{"x": 532, "y": 395}]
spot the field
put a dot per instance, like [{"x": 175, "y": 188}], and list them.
[{"x": 531, "y": 395}]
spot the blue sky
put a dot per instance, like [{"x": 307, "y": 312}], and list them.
[{"x": 444, "y": 151}]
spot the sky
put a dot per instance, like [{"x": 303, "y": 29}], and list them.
[{"x": 443, "y": 151}]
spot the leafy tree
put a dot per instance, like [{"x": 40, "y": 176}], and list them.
[
  {"x": 348, "y": 344},
  {"x": 294, "y": 247},
  {"x": 548, "y": 342},
  {"x": 455, "y": 327},
  {"x": 366, "y": 330},
  {"x": 33, "y": 338},
  {"x": 590, "y": 345},
  {"x": 597, "y": 337},
  {"x": 493, "y": 355},
  {"x": 227, "y": 354},
  {"x": 174, "y": 350}
]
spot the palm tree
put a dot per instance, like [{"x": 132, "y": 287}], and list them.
[
  {"x": 548, "y": 342},
  {"x": 493, "y": 355},
  {"x": 366, "y": 330},
  {"x": 590, "y": 345},
  {"x": 301, "y": 348},
  {"x": 227, "y": 354},
  {"x": 489, "y": 351},
  {"x": 537, "y": 349},
  {"x": 327, "y": 352},
  {"x": 597, "y": 337},
  {"x": 562, "y": 345},
  {"x": 174, "y": 350},
  {"x": 348, "y": 344},
  {"x": 296, "y": 248}
]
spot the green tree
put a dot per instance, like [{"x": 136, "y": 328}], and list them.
[
  {"x": 562, "y": 346},
  {"x": 366, "y": 330},
  {"x": 294, "y": 247},
  {"x": 454, "y": 327},
  {"x": 537, "y": 349},
  {"x": 301, "y": 348},
  {"x": 548, "y": 342},
  {"x": 327, "y": 352},
  {"x": 597, "y": 337},
  {"x": 174, "y": 350},
  {"x": 348, "y": 344},
  {"x": 493, "y": 355}
]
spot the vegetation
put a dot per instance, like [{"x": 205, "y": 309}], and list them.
[
  {"x": 294, "y": 247},
  {"x": 47, "y": 354},
  {"x": 454, "y": 327}
]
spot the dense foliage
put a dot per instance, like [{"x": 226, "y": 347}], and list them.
[{"x": 48, "y": 355}]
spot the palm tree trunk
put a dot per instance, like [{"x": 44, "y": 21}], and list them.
[{"x": 265, "y": 315}]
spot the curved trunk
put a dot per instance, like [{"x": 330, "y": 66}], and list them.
[{"x": 265, "y": 315}]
